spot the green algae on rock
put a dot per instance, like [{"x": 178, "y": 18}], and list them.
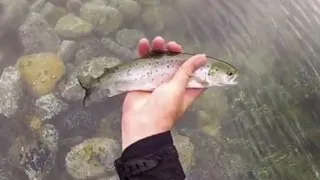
[
  {"x": 72, "y": 27},
  {"x": 92, "y": 158},
  {"x": 41, "y": 72}
]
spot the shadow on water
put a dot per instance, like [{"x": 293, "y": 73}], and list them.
[{"x": 266, "y": 128}]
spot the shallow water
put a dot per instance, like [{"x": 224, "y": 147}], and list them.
[{"x": 265, "y": 128}]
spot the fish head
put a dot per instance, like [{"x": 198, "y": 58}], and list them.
[{"x": 222, "y": 74}]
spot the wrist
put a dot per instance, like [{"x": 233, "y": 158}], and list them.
[
  {"x": 134, "y": 134},
  {"x": 137, "y": 128}
]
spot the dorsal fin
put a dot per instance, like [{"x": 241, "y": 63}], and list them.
[{"x": 160, "y": 54}]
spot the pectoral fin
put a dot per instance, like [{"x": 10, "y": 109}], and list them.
[{"x": 201, "y": 81}]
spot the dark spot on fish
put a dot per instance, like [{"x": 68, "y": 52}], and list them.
[
  {"x": 149, "y": 63},
  {"x": 168, "y": 66},
  {"x": 157, "y": 62},
  {"x": 156, "y": 70},
  {"x": 152, "y": 79}
]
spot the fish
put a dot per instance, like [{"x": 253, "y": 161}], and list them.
[{"x": 148, "y": 72}]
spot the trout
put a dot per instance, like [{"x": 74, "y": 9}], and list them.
[{"x": 147, "y": 73}]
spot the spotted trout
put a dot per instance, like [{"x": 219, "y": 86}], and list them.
[{"x": 147, "y": 73}]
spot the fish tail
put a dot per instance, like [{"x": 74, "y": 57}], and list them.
[{"x": 87, "y": 83}]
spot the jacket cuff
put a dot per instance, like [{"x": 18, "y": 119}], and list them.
[{"x": 147, "y": 145}]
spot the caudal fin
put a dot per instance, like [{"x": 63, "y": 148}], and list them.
[{"x": 87, "y": 83}]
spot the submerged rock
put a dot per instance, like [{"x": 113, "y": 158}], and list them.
[
  {"x": 120, "y": 51},
  {"x": 5, "y": 170},
  {"x": 13, "y": 14},
  {"x": 148, "y": 2},
  {"x": 59, "y": 2},
  {"x": 72, "y": 27},
  {"x": 41, "y": 72},
  {"x": 105, "y": 19},
  {"x": 153, "y": 19},
  {"x": 67, "y": 50},
  {"x": 38, "y": 36},
  {"x": 129, "y": 38},
  {"x": 10, "y": 91},
  {"x": 130, "y": 9},
  {"x": 77, "y": 122},
  {"x": 37, "y": 5},
  {"x": 74, "y": 6},
  {"x": 92, "y": 158},
  {"x": 49, "y": 106},
  {"x": 185, "y": 150},
  {"x": 88, "y": 48},
  {"x": 72, "y": 89},
  {"x": 33, "y": 156},
  {"x": 52, "y": 13}
]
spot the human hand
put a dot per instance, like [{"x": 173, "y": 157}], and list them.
[{"x": 148, "y": 113}]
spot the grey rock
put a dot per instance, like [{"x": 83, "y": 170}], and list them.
[
  {"x": 10, "y": 91},
  {"x": 74, "y": 6},
  {"x": 67, "y": 50},
  {"x": 129, "y": 37},
  {"x": 153, "y": 19},
  {"x": 38, "y": 5},
  {"x": 88, "y": 48},
  {"x": 59, "y": 2},
  {"x": 49, "y": 135},
  {"x": 13, "y": 14},
  {"x": 72, "y": 27},
  {"x": 52, "y": 13},
  {"x": 77, "y": 122},
  {"x": 33, "y": 157},
  {"x": 94, "y": 66},
  {"x": 117, "y": 49},
  {"x": 130, "y": 9},
  {"x": 5, "y": 170},
  {"x": 148, "y": 2},
  {"x": 92, "y": 158},
  {"x": 185, "y": 150},
  {"x": 38, "y": 36},
  {"x": 105, "y": 19},
  {"x": 50, "y": 105}
]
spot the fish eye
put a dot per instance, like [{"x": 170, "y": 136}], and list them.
[{"x": 229, "y": 73}]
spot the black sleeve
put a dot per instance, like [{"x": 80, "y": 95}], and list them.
[{"x": 154, "y": 157}]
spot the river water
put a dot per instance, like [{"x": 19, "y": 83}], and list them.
[{"x": 265, "y": 128}]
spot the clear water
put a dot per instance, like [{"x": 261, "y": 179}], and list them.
[{"x": 266, "y": 128}]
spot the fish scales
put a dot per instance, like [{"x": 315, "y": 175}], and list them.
[{"x": 145, "y": 74}]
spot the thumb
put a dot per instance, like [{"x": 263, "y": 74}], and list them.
[{"x": 186, "y": 70}]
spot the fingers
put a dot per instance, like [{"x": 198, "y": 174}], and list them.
[
  {"x": 158, "y": 44},
  {"x": 174, "y": 47},
  {"x": 186, "y": 70},
  {"x": 143, "y": 47}
]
